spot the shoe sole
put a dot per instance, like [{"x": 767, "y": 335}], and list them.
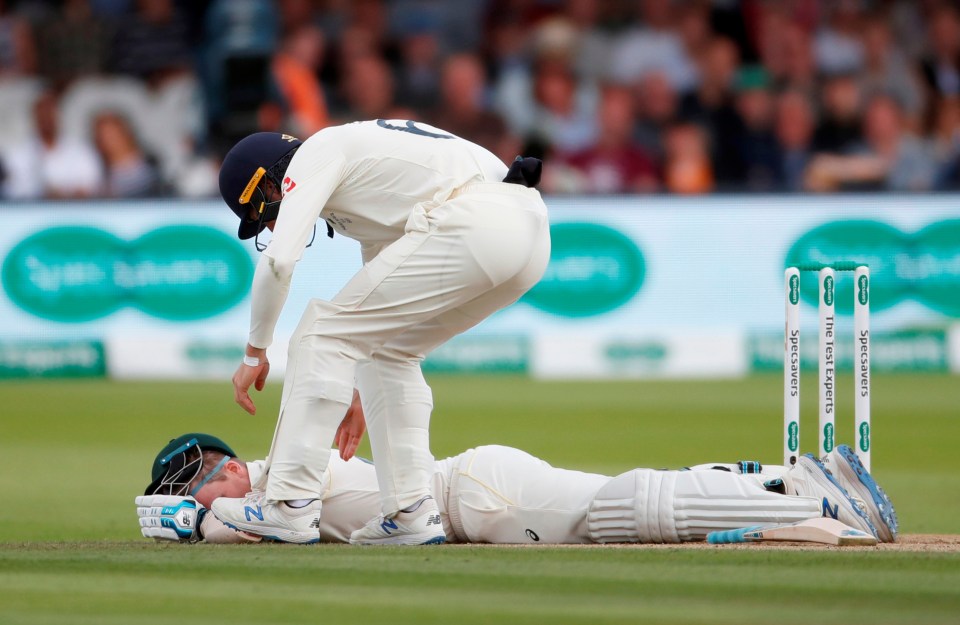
[
  {"x": 291, "y": 537},
  {"x": 826, "y": 480},
  {"x": 864, "y": 486},
  {"x": 410, "y": 540}
]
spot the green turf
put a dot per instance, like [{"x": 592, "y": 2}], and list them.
[
  {"x": 142, "y": 583},
  {"x": 75, "y": 453}
]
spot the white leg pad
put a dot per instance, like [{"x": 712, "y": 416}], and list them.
[
  {"x": 397, "y": 403},
  {"x": 645, "y": 505}
]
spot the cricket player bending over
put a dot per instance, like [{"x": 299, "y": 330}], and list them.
[
  {"x": 496, "y": 494},
  {"x": 448, "y": 235}
]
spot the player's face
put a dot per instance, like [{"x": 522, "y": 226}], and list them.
[
  {"x": 236, "y": 483},
  {"x": 270, "y": 194}
]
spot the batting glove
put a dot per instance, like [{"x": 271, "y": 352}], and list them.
[{"x": 168, "y": 517}]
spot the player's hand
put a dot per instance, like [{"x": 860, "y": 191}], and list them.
[
  {"x": 168, "y": 517},
  {"x": 351, "y": 429},
  {"x": 247, "y": 376}
]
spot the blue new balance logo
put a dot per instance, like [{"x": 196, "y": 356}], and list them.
[
  {"x": 388, "y": 525},
  {"x": 248, "y": 511},
  {"x": 828, "y": 511}
]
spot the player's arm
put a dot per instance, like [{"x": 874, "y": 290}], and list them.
[
  {"x": 313, "y": 176},
  {"x": 183, "y": 519}
]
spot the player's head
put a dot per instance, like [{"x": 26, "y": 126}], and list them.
[
  {"x": 201, "y": 466},
  {"x": 251, "y": 177}
]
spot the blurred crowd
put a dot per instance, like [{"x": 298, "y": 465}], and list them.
[{"x": 141, "y": 98}]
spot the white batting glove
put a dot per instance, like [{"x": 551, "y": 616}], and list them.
[{"x": 168, "y": 517}]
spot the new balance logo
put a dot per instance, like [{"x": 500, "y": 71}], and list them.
[
  {"x": 248, "y": 511},
  {"x": 388, "y": 525},
  {"x": 828, "y": 511},
  {"x": 315, "y": 524},
  {"x": 433, "y": 519}
]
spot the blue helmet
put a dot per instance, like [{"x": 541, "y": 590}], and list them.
[{"x": 262, "y": 154}]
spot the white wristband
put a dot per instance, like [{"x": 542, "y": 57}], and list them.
[{"x": 251, "y": 361}]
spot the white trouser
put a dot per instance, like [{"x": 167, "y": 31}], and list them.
[
  {"x": 504, "y": 495},
  {"x": 458, "y": 263}
]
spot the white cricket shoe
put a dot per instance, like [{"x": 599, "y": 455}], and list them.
[
  {"x": 809, "y": 478},
  {"x": 420, "y": 526},
  {"x": 846, "y": 467},
  {"x": 273, "y": 520}
]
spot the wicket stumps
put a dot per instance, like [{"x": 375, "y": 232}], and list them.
[{"x": 826, "y": 350}]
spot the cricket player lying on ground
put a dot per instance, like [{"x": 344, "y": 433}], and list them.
[{"x": 496, "y": 494}]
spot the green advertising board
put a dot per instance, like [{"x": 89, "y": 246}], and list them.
[
  {"x": 923, "y": 266},
  {"x": 593, "y": 269},
  {"x": 57, "y": 359},
  {"x": 80, "y": 273}
]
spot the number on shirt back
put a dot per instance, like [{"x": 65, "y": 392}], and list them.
[{"x": 412, "y": 128}]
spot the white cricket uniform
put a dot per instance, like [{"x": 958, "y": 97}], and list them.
[
  {"x": 490, "y": 494},
  {"x": 502, "y": 495},
  {"x": 445, "y": 244}
]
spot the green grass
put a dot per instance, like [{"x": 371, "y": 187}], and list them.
[
  {"x": 142, "y": 583},
  {"x": 75, "y": 453}
]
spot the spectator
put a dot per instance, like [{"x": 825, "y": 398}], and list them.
[
  {"x": 462, "y": 108},
  {"x": 788, "y": 57},
  {"x": 456, "y": 22},
  {"x": 687, "y": 168},
  {"x": 794, "y": 132},
  {"x": 294, "y": 15},
  {"x": 551, "y": 105},
  {"x": 505, "y": 48},
  {"x": 750, "y": 157},
  {"x": 613, "y": 164},
  {"x": 18, "y": 55},
  {"x": 655, "y": 46},
  {"x": 152, "y": 43},
  {"x": 127, "y": 170},
  {"x": 657, "y": 107},
  {"x": 837, "y": 46},
  {"x": 240, "y": 38},
  {"x": 75, "y": 43},
  {"x": 295, "y": 69},
  {"x": 564, "y": 112},
  {"x": 693, "y": 27},
  {"x": 367, "y": 89},
  {"x": 941, "y": 67},
  {"x": 946, "y": 144},
  {"x": 840, "y": 129},
  {"x": 594, "y": 39},
  {"x": 886, "y": 70},
  {"x": 49, "y": 165},
  {"x": 711, "y": 105},
  {"x": 890, "y": 158},
  {"x": 418, "y": 84},
  {"x": 362, "y": 33}
]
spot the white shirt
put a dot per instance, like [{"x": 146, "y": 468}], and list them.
[
  {"x": 67, "y": 168},
  {"x": 364, "y": 178}
]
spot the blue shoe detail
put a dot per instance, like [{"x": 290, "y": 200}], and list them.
[
  {"x": 439, "y": 540},
  {"x": 863, "y": 515},
  {"x": 880, "y": 498}
]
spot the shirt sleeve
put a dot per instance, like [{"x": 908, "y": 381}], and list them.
[{"x": 314, "y": 174}]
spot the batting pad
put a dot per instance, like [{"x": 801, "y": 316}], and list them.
[{"x": 649, "y": 506}]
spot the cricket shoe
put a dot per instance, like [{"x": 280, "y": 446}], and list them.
[
  {"x": 420, "y": 524},
  {"x": 273, "y": 520},
  {"x": 846, "y": 467},
  {"x": 809, "y": 478}
]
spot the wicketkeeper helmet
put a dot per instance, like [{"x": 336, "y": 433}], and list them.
[{"x": 260, "y": 155}]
